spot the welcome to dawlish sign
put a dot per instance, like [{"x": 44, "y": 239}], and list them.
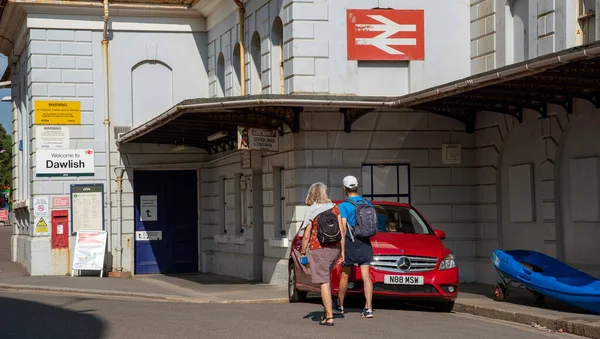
[{"x": 64, "y": 162}]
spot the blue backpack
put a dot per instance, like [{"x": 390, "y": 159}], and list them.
[{"x": 366, "y": 220}]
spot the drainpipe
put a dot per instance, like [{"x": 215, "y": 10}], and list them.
[
  {"x": 242, "y": 12},
  {"x": 119, "y": 174},
  {"x": 107, "y": 130}
]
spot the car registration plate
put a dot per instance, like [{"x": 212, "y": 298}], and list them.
[{"x": 403, "y": 280}]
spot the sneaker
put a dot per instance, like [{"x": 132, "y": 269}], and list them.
[
  {"x": 367, "y": 313},
  {"x": 337, "y": 308}
]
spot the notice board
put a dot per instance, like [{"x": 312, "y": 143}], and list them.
[
  {"x": 90, "y": 248},
  {"x": 87, "y": 207}
]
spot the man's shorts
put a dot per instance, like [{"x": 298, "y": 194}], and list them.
[{"x": 359, "y": 252}]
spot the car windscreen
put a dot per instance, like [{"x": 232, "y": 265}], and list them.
[{"x": 400, "y": 219}]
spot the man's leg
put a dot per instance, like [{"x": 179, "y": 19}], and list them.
[
  {"x": 343, "y": 285},
  {"x": 367, "y": 285}
]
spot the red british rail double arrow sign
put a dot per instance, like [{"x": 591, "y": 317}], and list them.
[{"x": 385, "y": 34}]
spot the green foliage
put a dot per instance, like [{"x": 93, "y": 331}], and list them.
[{"x": 5, "y": 158}]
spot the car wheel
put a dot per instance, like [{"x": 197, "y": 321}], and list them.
[
  {"x": 294, "y": 295},
  {"x": 499, "y": 292},
  {"x": 444, "y": 306}
]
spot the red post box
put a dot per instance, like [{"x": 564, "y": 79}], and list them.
[{"x": 60, "y": 229}]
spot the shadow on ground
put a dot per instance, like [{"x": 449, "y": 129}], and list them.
[
  {"x": 355, "y": 304},
  {"x": 211, "y": 279},
  {"x": 522, "y": 297},
  {"x": 27, "y": 319}
]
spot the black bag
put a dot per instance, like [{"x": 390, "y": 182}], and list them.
[
  {"x": 328, "y": 228},
  {"x": 366, "y": 220}
]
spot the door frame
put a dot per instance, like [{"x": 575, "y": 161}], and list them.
[{"x": 172, "y": 168}]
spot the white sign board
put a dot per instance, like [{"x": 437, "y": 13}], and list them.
[
  {"x": 87, "y": 207},
  {"x": 90, "y": 247},
  {"x": 40, "y": 206},
  {"x": 148, "y": 207},
  {"x": 52, "y": 137},
  {"x": 257, "y": 139},
  {"x": 64, "y": 162},
  {"x": 148, "y": 235}
]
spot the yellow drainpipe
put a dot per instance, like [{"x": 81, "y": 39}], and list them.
[{"x": 242, "y": 12}]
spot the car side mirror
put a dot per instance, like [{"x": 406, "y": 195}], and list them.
[{"x": 440, "y": 234}]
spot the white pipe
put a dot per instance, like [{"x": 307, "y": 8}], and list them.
[
  {"x": 119, "y": 174},
  {"x": 107, "y": 131}
]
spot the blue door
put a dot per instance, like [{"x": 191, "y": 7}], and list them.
[{"x": 166, "y": 222}]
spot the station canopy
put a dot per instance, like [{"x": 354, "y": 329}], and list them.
[{"x": 555, "y": 78}]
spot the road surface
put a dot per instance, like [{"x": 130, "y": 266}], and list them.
[{"x": 39, "y": 316}]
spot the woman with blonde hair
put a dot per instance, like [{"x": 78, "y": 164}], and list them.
[{"x": 322, "y": 256}]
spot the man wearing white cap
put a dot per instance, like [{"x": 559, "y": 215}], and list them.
[{"x": 358, "y": 251}]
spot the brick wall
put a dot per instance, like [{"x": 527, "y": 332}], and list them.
[
  {"x": 483, "y": 35},
  {"x": 545, "y": 27},
  {"x": 223, "y": 38},
  {"x": 499, "y": 144}
]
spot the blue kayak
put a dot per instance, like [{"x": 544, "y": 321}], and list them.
[{"x": 545, "y": 276}]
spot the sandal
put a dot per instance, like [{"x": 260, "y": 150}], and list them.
[{"x": 325, "y": 322}]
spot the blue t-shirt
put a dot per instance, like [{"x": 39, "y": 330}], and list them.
[{"x": 347, "y": 210}]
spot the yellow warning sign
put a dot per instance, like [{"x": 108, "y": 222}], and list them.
[
  {"x": 57, "y": 112},
  {"x": 41, "y": 226}
]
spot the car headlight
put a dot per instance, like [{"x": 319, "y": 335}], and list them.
[{"x": 448, "y": 262}]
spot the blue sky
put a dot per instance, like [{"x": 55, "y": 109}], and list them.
[{"x": 5, "y": 113}]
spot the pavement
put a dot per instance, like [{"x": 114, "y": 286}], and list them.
[
  {"x": 475, "y": 299},
  {"x": 29, "y": 315}
]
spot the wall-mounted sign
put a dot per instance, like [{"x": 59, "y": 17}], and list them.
[
  {"x": 64, "y": 162},
  {"x": 57, "y": 112},
  {"x": 41, "y": 226},
  {"x": 87, "y": 207},
  {"x": 257, "y": 139},
  {"x": 385, "y": 34},
  {"x": 61, "y": 202},
  {"x": 148, "y": 235},
  {"x": 40, "y": 206},
  {"x": 148, "y": 207},
  {"x": 52, "y": 137}
]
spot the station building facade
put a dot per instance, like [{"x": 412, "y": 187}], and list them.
[{"x": 489, "y": 133}]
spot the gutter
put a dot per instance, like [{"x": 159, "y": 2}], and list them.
[
  {"x": 521, "y": 71},
  {"x": 179, "y": 110},
  {"x": 106, "y": 72},
  {"x": 509, "y": 73}
]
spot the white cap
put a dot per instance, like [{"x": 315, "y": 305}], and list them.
[{"x": 350, "y": 182}]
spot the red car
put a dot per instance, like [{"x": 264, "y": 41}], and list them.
[{"x": 409, "y": 261}]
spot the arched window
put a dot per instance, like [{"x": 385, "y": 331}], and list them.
[
  {"x": 255, "y": 51},
  {"x": 221, "y": 75},
  {"x": 277, "y": 57},
  {"x": 151, "y": 90},
  {"x": 237, "y": 74}
]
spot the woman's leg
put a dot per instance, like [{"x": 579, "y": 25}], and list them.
[{"x": 326, "y": 298}]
